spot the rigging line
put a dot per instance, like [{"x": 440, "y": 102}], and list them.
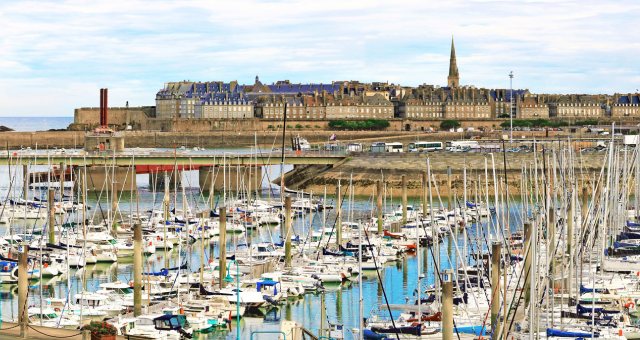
[
  {"x": 439, "y": 278},
  {"x": 384, "y": 292},
  {"x": 335, "y": 221}
]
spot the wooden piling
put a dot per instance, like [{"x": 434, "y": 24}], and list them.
[
  {"x": 137, "y": 269},
  {"x": 203, "y": 217},
  {"x": 585, "y": 203},
  {"x": 25, "y": 182},
  {"x": 51, "y": 220},
  {"x": 222, "y": 243},
  {"x": 114, "y": 209},
  {"x": 286, "y": 234},
  {"x": 425, "y": 194},
  {"x": 527, "y": 263},
  {"x": 379, "y": 205},
  {"x": 447, "y": 307},
  {"x": 23, "y": 287},
  {"x": 495, "y": 287},
  {"x": 339, "y": 215},
  {"x": 404, "y": 199}
]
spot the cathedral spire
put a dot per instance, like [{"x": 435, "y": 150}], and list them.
[{"x": 453, "y": 80}]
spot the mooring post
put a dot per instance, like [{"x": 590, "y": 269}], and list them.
[
  {"x": 527, "y": 263},
  {"x": 25, "y": 182},
  {"x": 447, "y": 306},
  {"x": 379, "y": 205},
  {"x": 425, "y": 195},
  {"x": 51, "y": 217},
  {"x": 222, "y": 243},
  {"x": 137, "y": 269},
  {"x": 404, "y": 199},
  {"x": 114, "y": 209},
  {"x": 339, "y": 215},
  {"x": 23, "y": 286},
  {"x": 495, "y": 287},
  {"x": 203, "y": 218},
  {"x": 287, "y": 232}
]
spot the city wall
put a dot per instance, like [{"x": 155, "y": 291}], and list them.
[
  {"x": 86, "y": 118},
  {"x": 255, "y": 124},
  {"x": 266, "y": 138}
]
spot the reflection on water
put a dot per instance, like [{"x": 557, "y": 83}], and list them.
[{"x": 399, "y": 279}]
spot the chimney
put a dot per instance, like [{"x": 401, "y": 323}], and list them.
[
  {"x": 106, "y": 108},
  {"x": 101, "y": 107}
]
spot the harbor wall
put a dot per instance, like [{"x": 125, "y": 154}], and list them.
[
  {"x": 237, "y": 138},
  {"x": 366, "y": 169}
]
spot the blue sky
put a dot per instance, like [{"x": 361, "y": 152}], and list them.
[{"x": 55, "y": 55}]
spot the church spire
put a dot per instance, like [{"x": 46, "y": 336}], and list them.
[{"x": 453, "y": 80}]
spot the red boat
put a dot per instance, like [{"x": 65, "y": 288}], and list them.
[{"x": 393, "y": 235}]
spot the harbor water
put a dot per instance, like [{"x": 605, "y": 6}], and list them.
[{"x": 394, "y": 283}]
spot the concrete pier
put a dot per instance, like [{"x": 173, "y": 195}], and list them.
[
  {"x": 101, "y": 178},
  {"x": 244, "y": 178}
]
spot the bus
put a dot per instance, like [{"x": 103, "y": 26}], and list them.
[
  {"x": 377, "y": 147},
  {"x": 425, "y": 146},
  {"x": 393, "y": 147},
  {"x": 462, "y": 145}
]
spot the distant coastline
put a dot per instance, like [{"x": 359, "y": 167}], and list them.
[{"x": 26, "y": 123}]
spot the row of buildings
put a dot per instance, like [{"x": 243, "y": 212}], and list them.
[{"x": 355, "y": 100}]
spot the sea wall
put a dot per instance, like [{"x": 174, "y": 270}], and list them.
[{"x": 366, "y": 169}]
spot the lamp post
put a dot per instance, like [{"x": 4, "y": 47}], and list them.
[
  {"x": 511, "y": 107},
  {"x": 229, "y": 279}
]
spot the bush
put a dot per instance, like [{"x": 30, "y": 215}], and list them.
[
  {"x": 587, "y": 122},
  {"x": 308, "y": 126},
  {"x": 449, "y": 124},
  {"x": 269, "y": 126},
  {"x": 369, "y": 124},
  {"x": 533, "y": 123},
  {"x": 316, "y": 126},
  {"x": 289, "y": 127},
  {"x": 98, "y": 328},
  {"x": 298, "y": 126}
]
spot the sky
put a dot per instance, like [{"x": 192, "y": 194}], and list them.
[{"x": 56, "y": 55}]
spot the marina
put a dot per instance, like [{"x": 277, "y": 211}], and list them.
[{"x": 235, "y": 257}]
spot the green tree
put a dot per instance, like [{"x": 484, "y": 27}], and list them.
[{"x": 449, "y": 124}]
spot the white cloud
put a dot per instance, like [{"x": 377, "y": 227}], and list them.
[{"x": 62, "y": 52}]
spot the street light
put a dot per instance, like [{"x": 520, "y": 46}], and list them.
[
  {"x": 511, "y": 107},
  {"x": 229, "y": 279}
]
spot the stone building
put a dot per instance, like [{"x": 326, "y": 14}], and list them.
[
  {"x": 223, "y": 107},
  {"x": 576, "y": 106},
  {"x": 180, "y": 99},
  {"x": 532, "y": 107},
  {"x": 361, "y": 106},
  {"x": 626, "y": 105}
]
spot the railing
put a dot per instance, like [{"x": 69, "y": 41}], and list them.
[{"x": 284, "y": 336}]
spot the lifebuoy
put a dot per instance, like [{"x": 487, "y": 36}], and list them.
[{"x": 630, "y": 304}]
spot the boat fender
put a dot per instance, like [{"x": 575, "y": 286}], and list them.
[{"x": 630, "y": 304}]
